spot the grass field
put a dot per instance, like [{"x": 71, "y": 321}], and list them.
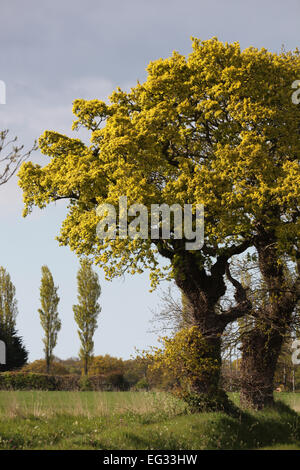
[{"x": 138, "y": 420}]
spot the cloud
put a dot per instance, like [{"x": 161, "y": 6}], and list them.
[{"x": 34, "y": 107}]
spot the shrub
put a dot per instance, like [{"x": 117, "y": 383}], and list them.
[
  {"x": 142, "y": 384},
  {"x": 85, "y": 384},
  {"x": 34, "y": 381},
  {"x": 39, "y": 367},
  {"x": 189, "y": 359},
  {"x": 26, "y": 381}
]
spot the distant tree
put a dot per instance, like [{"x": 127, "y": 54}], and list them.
[
  {"x": 16, "y": 354},
  {"x": 135, "y": 370},
  {"x": 73, "y": 365},
  {"x": 87, "y": 310},
  {"x": 11, "y": 156},
  {"x": 8, "y": 302},
  {"x": 49, "y": 314},
  {"x": 40, "y": 366},
  {"x": 106, "y": 364}
]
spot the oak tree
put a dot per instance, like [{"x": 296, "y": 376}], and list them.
[{"x": 217, "y": 128}]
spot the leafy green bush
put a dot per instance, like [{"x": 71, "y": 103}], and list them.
[
  {"x": 85, "y": 384},
  {"x": 26, "y": 381},
  {"x": 142, "y": 384},
  {"x": 35, "y": 381},
  {"x": 199, "y": 402}
]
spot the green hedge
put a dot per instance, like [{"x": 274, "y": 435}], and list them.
[
  {"x": 26, "y": 381},
  {"x": 34, "y": 381}
]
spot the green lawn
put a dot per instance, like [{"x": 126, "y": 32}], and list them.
[{"x": 137, "y": 420}]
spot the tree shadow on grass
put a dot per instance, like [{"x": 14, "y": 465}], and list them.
[
  {"x": 249, "y": 430},
  {"x": 214, "y": 431}
]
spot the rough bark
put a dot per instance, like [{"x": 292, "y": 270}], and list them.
[
  {"x": 85, "y": 368},
  {"x": 260, "y": 352},
  {"x": 261, "y": 346},
  {"x": 48, "y": 364},
  {"x": 203, "y": 292}
]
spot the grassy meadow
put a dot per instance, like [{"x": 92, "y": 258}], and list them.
[{"x": 139, "y": 420}]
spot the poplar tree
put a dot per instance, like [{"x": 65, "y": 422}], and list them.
[
  {"x": 15, "y": 352},
  {"x": 87, "y": 310},
  {"x": 49, "y": 314},
  {"x": 8, "y": 302}
]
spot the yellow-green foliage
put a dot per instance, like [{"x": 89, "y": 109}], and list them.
[
  {"x": 40, "y": 367},
  {"x": 105, "y": 365},
  {"x": 217, "y": 127},
  {"x": 187, "y": 357}
]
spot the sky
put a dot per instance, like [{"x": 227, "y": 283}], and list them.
[{"x": 55, "y": 52}]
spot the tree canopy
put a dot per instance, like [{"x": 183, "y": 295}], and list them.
[{"x": 218, "y": 128}]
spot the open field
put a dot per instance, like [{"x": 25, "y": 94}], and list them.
[{"x": 138, "y": 420}]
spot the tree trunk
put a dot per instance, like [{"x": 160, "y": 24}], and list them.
[
  {"x": 260, "y": 352},
  {"x": 203, "y": 292},
  {"x": 206, "y": 393},
  {"x": 85, "y": 366},
  {"x": 48, "y": 365},
  {"x": 262, "y": 345},
  {"x": 210, "y": 381}
]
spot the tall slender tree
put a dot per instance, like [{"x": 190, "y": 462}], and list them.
[
  {"x": 49, "y": 314},
  {"x": 87, "y": 310},
  {"x": 15, "y": 352},
  {"x": 8, "y": 302}
]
